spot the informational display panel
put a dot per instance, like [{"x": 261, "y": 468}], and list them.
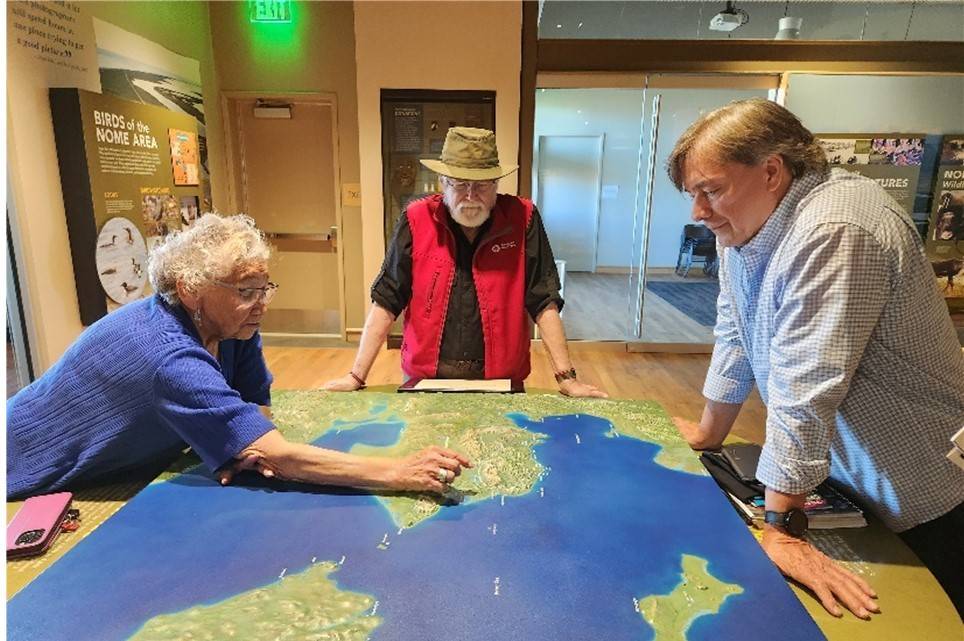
[
  {"x": 137, "y": 69},
  {"x": 893, "y": 160},
  {"x": 414, "y": 124},
  {"x": 945, "y": 236},
  {"x": 125, "y": 188}
]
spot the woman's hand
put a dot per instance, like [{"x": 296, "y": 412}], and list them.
[
  {"x": 244, "y": 462},
  {"x": 346, "y": 383},
  {"x": 431, "y": 469}
]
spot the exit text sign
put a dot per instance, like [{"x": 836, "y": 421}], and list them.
[{"x": 269, "y": 10}]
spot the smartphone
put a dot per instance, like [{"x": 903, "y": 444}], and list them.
[
  {"x": 744, "y": 458},
  {"x": 37, "y": 523}
]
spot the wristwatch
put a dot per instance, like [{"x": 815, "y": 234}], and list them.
[{"x": 794, "y": 522}]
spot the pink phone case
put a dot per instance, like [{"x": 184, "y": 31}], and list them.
[{"x": 37, "y": 524}]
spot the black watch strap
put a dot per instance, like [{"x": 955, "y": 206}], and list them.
[{"x": 794, "y": 522}]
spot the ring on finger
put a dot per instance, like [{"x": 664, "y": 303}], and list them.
[{"x": 443, "y": 475}]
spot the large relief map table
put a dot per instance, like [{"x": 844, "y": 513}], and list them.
[{"x": 579, "y": 520}]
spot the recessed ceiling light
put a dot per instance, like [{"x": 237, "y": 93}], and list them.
[
  {"x": 558, "y": 26},
  {"x": 580, "y": 26}
]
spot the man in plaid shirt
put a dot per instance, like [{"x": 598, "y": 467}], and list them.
[{"x": 828, "y": 304}]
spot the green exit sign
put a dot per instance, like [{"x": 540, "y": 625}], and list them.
[{"x": 269, "y": 10}]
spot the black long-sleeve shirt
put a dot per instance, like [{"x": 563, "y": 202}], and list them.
[{"x": 462, "y": 338}]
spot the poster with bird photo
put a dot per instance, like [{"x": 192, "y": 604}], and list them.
[{"x": 184, "y": 157}]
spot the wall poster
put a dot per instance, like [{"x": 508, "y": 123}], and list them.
[
  {"x": 53, "y": 41},
  {"x": 414, "y": 124},
  {"x": 893, "y": 160},
  {"x": 139, "y": 70},
  {"x": 122, "y": 193},
  {"x": 945, "y": 236}
]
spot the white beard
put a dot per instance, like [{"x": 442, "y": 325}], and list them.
[{"x": 468, "y": 213}]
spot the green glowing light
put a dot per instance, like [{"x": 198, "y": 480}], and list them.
[{"x": 269, "y": 10}]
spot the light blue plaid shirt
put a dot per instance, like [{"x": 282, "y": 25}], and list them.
[{"x": 833, "y": 311}]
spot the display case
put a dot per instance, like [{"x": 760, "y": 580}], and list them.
[{"x": 414, "y": 124}]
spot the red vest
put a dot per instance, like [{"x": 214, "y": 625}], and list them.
[{"x": 499, "y": 270}]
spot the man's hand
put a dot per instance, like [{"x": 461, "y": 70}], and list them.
[
  {"x": 346, "y": 383},
  {"x": 424, "y": 470},
  {"x": 800, "y": 561},
  {"x": 578, "y": 389},
  {"x": 690, "y": 431}
]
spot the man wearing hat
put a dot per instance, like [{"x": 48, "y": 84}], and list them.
[{"x": 467, "y": 266}]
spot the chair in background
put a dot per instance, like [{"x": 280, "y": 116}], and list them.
[{"x": 697, "y": 244}]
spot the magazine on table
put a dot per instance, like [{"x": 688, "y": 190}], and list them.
[{"x": 826, "y": 507}]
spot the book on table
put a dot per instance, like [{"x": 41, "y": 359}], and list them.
[{"x": 826, "y": 507}]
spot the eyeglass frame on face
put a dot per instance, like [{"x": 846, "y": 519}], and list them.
[
  {"x": 265, "y": 294},
  {"x": 463, "y": 186}
]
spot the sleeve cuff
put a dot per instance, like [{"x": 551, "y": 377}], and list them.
[
  {"x": 385, "y": 303},
  {"x": 790, "y": 475},
  {"x": 725, "y": 390},
  {"x": 243, "y": 430},
  {"x": 535, "y": 310}
]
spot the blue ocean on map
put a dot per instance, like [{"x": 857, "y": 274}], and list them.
[{"x": 603, "y": 526}]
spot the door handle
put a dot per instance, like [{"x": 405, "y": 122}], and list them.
[{"x": 324, "y": 243}]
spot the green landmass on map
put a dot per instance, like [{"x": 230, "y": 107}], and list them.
[
  {"x": 698, "y": 593},
  {"x": 504, "y": 461},
  {"x": 307, "y": 606}
]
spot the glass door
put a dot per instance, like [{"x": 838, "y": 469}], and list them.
[
  {"x": 674, "y": 277},
  {"x": 634, "y": 266},
  {"x": 585, "y": 182}
]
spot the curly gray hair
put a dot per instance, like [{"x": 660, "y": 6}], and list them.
[{"x": 213, "y": 248}]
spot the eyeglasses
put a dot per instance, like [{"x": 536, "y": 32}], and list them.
[
  {"x": 480, "y": 186},
  {"x": 250, "y": 296}
]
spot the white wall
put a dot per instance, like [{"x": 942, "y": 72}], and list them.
[
  {"x": 431, "y": 45},
  {"x": 615, "y": 114},
  {"x": 871, "y": 104}
]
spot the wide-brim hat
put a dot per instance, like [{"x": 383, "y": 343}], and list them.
[{"x": 469, "y": 154}]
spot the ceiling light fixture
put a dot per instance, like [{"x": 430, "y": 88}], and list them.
[{"x": 788, "y": 28}]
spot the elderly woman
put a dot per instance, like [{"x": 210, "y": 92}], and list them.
[{"x": 184, "y": 367}]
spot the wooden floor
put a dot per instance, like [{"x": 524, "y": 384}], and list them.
[
  {"x": 673, "y": 380},
  {"x": 597, "y": 308}
]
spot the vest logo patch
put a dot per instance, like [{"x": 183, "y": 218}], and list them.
[{"x": 496, "y": 248}]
